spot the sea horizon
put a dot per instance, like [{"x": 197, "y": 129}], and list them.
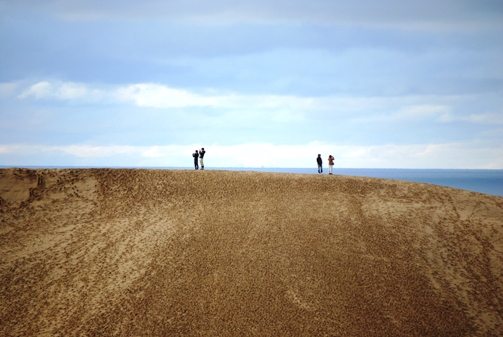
[{"x": 488, "y": 181}]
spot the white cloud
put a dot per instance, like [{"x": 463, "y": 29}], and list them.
[
  {"x": 439, "y": 113},
  {"x": 60, "y": 91},
  {"x": 12, "y": 149},
  {"x": 153, "y": 95},
  {"x": 86, "y": 151},
  {"x": 446, "y": 155},
  {"x": 485, "y": 118},
  {"x": 159, "y": 96},
  {"x": 287, "y": 108},
  {"x": 421, "y": 111},
  {"x": 39, "y": 90},
  {"x": 69, "y": 91}
]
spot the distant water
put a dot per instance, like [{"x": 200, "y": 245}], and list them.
[{"x": 483, "y": 181}]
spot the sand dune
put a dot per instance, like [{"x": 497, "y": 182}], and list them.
[{"x": 216, "y": 253}]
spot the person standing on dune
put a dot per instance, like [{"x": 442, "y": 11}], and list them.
[
  {"x": 196, "y": 157},
  {"x": 320, "y": 164},
  {"x": 201, "y": 155},
  {"x": 330, "y": 164}
]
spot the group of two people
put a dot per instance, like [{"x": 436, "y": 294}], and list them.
[
  {"x": 199, "y": 155},
  {"x": 320, "y": 164}
]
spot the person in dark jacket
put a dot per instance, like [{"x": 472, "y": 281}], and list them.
[
  {"x": 320, "y": 164},
  {"x": 196, "y": 156},
  {"x": 201, "y": 156}
]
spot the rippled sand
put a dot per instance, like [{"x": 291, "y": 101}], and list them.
[{"x": 217, "y": 253}]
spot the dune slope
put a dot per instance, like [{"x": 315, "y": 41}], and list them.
[{"x": 104, "y": 252}]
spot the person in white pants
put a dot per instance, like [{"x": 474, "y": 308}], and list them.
[
  {"x": 330, "y": 164},
  {"x": 201, "y": 156}
]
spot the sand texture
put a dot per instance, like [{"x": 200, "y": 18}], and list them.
[{"x": 116, "y": 252}]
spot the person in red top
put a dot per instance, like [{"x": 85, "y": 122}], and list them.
[{"x": 330, "y": 164}]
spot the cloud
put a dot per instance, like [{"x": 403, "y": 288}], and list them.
[
  {"x": 407, "y": 112},
  {"x": 440, "y": 113},
  {"x": 69, "y": 91},
  {"x": 484, "y": 118},
  {"x": 159, "y": 96},
  {"x": 85, "y": 151},
  {"x": 444, "y": 155},
  {"x": 443, "y": 114},
  {"x": 39, "y": 90},
  {"x": 60, "y": 91},
  {"x": 421, "y": 111},
  {"x": 277, "y": 109},
  {"x": 151, "y": 95}
]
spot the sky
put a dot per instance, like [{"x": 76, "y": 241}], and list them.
[{"x": 376, "y": 84}]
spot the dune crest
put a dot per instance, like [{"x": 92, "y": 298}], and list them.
[{"x": 102, "y": 252}]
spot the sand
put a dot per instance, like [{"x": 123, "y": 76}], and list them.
[{"x": 116, "y": 252}]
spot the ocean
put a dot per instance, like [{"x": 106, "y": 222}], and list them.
[{"x": 483, "y": 181}]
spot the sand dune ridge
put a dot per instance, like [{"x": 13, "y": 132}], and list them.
[{"x": 218, "y": 253}]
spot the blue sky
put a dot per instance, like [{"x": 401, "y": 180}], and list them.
[{"x": 377, "y": 84}]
